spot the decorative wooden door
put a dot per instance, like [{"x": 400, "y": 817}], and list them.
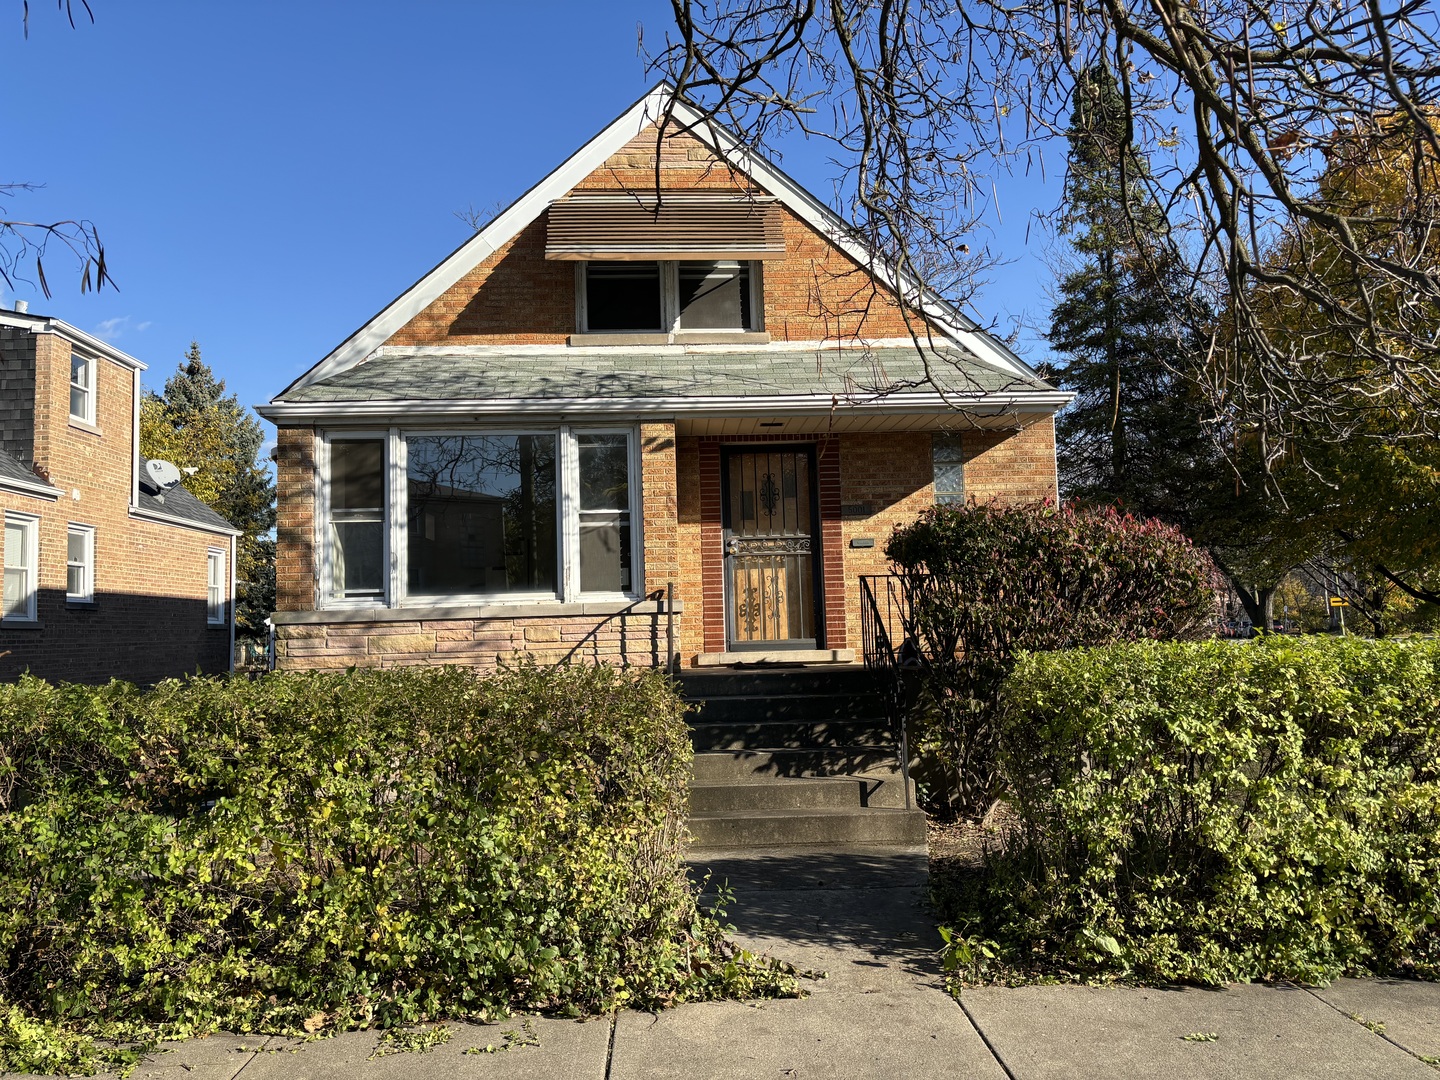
[{"x": 770, "y": 547}]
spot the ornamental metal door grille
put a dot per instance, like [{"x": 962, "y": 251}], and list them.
[{"x": 770, "y": 549}]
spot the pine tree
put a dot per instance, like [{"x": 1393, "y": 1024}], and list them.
[
  {"x": 196, "y": 425},
  {"x": 1116, "y": 327}
]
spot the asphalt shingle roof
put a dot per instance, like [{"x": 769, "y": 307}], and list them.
[
  {"x": 12, "y": 468},
  {"x": 178, "y": 503},
  {"x": 395, "y": 374}
]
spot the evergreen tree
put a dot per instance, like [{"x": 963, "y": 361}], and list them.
[
  {"x": 196, "y": 425},
  {"x": 1133, "y": 434}
]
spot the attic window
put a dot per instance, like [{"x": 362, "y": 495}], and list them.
[
  {"x": 623, "y": 296},
  {"x": 714, "y": 296}
]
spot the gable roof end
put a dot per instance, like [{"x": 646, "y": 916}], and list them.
[{"x": 727, "y": 146}]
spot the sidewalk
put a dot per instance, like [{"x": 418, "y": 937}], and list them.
[{"x": 882, "y": 1012}]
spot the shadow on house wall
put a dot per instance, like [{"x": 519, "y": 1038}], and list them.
[{"x": 141, "y": 639}]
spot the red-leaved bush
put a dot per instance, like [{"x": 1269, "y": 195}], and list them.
[{"x": 988, "y": 582}]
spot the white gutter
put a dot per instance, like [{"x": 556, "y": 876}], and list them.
[
  {"x": 40, "y": 324},
  {"x": 135, "y": 447},
  {"x": 184, "y": 523},
  {"x": 232, "y": 601},
  {"x": 773, "y": 405},
  {"x": 24, "y": 487}
]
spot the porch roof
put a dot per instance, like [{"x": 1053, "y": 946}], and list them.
[{"x": 662, "y": 374}]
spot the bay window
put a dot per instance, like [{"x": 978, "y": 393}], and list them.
[{"x": 428, "y": 517}]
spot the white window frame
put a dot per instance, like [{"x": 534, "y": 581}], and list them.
[
  {"x": 567, "y": 523},
  {"x": 86, "y": 595},
  {"x": 91, "y": 369},
  {"x": 326, "y": 561},
  {"x": 215, "y": 609},
  {"x": 670, "y": 301},
  {"x": 31, "y": 527}
]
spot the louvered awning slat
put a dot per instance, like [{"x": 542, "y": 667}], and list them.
[{"x": 616, "y": 226}]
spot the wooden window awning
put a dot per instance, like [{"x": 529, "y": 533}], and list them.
[{"x": 689, "y": 225}]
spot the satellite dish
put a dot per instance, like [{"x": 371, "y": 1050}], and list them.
[{"x": 162, "y": 474}]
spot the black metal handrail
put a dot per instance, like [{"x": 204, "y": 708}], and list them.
[{"x": 887, "y": 627}]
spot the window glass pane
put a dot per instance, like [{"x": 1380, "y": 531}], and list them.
[
  {"x": 714, "y": 296},
  {"x": 75, "y": 547},
  {"x": 16, "y": 593},
  {"x": 604, "y": 472},
  {"x": 79, "y": 403},
  {"x": 481, "y": 514},
  {"x": 948, "y": 457},
  {"x": 622, "y": 296},
  {"x": 357, "y": 474},
  {"x": 80, "y": 371},
  {"x": 604, "y": 552},
  {"x": 75, "y": 581},
  {"x": 357, "y": 553}
]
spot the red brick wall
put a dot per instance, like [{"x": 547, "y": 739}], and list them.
[
  {"x": 295, "y": 522},
  {"x": 148, "y": 621},
  {"x": 517, "y": 297}
]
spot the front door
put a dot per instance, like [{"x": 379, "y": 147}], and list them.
[{"x": 770, "y": 545}]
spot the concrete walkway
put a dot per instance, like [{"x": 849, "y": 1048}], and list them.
[{"x": 882, "y": 1012}]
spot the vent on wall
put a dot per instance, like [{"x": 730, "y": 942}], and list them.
[{"x": 680, "y": 225}]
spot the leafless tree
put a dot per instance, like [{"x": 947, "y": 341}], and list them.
[
  {"x": 24, "y": 245},
  {"x": 1240, "y": 105}
]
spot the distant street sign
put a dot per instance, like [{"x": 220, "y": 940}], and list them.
[{"x": 1339, "y": 601}]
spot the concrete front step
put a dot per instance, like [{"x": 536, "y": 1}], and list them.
[
  {"x": 776, "y": 762},
  {"x": 766, "y": 682},
  {"x": 798, "y": 793},
  {"x": 760, "y": 708},
  {"x": 793, "y": 735},
  {"x": 779, "y": 827}
]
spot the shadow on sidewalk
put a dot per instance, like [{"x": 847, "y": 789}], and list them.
[{"x": 857, "y": 900}]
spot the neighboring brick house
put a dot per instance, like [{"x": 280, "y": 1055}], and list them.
[
  {"x": 594, "y": 400},
  {"x": 107, "y": 574}
]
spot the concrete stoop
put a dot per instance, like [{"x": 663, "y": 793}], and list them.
[{"x": 797, "y": 755}]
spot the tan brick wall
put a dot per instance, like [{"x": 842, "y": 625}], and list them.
[
  {"x": 295, "y": 522},
  {"x": 634, "y": 640},
  {"x": 1011, "y": 467},
  {"x": 518, "y": 297},
  {"x": 148, "y": 621}
]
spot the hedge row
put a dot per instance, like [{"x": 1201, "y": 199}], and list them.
[
  {"x": 320, "y": 851},
  {"x": 1217, "y": 811}
]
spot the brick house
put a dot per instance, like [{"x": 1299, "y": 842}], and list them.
[
  {"x": 602, "y": 399},
  {"x": 107, "y": 574}
]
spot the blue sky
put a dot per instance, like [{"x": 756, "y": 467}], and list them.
[{"x": 267, "y": 175}]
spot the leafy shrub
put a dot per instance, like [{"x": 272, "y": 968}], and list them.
[
  {"x": 1220, "y": 811},
  {"x": 988, "y": 581},
  {"x": 312, "y": 851}
]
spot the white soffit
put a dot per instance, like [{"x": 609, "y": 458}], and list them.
[{"x": 504, "y": 227}]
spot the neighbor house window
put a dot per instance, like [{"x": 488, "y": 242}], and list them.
[
  {"x": 357, "y": 518},
  {"x": 949, "y": 464},
  {"x": 82, "y": 388},
  {"x": 80, "y": 564},
  {"x": 660, "y": 297},
  {"x": 215, "y": 587},
  {"x": 481, "y": 515},
  {"x": 21, "y": 567}
]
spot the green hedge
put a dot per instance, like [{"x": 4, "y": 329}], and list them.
[
  {"x": 1218, "y": 811},
  {"x": 337, "y": 850}
]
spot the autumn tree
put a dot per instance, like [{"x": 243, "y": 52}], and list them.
[{"x": 216, "y": 442}]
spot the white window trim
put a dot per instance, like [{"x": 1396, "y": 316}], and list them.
[
  {"x": 31, "y": 525},
  {"x": 92, "y": 366},
  {"x": 670, "y": 301},
  {"x": 215, "y": 616},
  {"x": 326, "y": 560},
  {"x": 396, "y": 517},
  {"x": 87, "y": 593}
]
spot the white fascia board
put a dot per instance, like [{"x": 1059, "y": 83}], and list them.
[
  {"x": 586, "y": 160},
  {"x": 36, "y": 490},
  {"x": 184, "y": 523},
  {"x": 41, "y": 324},
  {"x": 776, "y": 405},
  {"x": 488, "y": 240}
]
